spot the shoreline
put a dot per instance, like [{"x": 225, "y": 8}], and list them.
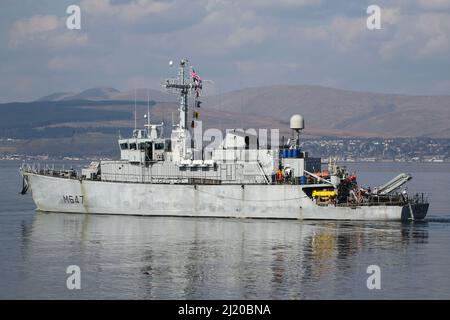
[{"x": 46, "y": 158}]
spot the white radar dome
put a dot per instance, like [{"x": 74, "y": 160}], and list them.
[{"x": 297, "y": 122}]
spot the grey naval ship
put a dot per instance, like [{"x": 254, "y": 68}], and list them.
[{"x": 238, "y": 178}]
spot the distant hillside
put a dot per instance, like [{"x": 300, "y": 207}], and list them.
[
  {"x": 50, "y": 118},
  {"x": 327, "y": 111},
  {"x": 60, "y": 123},
  {"x": 58, "y": 96},
  {"x": 141, "y": 94},
  {"x": 103, "y": 93},
  {"x": 107, "y": 93},
  {"x": 326, "y": 108}
]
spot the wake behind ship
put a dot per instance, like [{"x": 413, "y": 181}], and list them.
[{"x": 239, "y": 178}]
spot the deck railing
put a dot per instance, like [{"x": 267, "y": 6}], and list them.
[
  {"x": 371, "y": 200},
  {"x": 388, "y": 200},
  {"x": 49, "y": 170}
]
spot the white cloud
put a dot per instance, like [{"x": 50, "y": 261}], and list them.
[
  {"x": 34, "y": 27},
  {"x": 434, "y": 4},
  {"x": 405, "y": 36},
  {"x": 48, "y": 31},
  {"x": 278, "y": 4},
  {"x": 246, "y": 35},
  {"x": 129, "y": 41},
  {"x": 129, "y": 12},
  {"x": 346, "y": 33},
  {"x": 391, "y": 16},
  {"x": 420, "y": 36},
  {"x": 224, "y": 27}
]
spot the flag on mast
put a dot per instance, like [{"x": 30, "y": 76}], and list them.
[{"x": 195, "y": 76}]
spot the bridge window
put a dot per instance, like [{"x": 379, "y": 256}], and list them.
[
  {"x": 142, "y": 146},
  {"x": 133, "y": 146},
  {"x": 159, "y": 146},
  {"x": 124, "y": 146}
]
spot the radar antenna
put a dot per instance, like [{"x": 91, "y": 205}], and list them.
[{"x": 185, "y": 85}]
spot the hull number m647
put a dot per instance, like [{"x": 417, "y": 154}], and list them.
[{"x": 71, "y": 199}]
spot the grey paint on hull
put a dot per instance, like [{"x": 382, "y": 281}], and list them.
[{"x": 231, "y": 201}]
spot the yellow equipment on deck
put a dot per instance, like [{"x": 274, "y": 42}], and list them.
[{"x": 324, "y": 193}]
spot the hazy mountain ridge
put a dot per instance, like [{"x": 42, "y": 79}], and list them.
[
  {"x": 71, "y": 126},
  {"x": 101, "y": 93},
  {"x": 108, "y": 93},
  {"x": 58, "y": 96},
  {"x": 384, "y": 114},
  {"x": 327, "y": 111}
]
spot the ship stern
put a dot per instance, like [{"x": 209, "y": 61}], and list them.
[{"x": 415, "y": 211}]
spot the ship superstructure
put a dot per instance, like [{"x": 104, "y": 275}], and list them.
[{"x": 240, "y": 177}]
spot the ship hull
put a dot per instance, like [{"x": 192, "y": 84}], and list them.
[{"x": 55, "y": 194}]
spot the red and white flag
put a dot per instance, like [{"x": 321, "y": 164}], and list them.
[{"x": 195, "y": 76}]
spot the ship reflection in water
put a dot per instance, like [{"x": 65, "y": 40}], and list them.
[{"x": 162, "y": 258}]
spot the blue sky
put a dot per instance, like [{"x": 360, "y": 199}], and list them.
[{"x": 127, "y": 44}]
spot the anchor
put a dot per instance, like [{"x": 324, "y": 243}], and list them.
[
  {"x": 411, "y": 211},
  {"x": 25, "y": 185}
]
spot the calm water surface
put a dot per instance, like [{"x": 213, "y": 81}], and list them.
[{"x": 181, "y": 258}]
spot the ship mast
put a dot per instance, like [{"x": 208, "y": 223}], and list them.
[{"x": 184, "y": 85}]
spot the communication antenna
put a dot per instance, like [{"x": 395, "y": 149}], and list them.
[
  {"x": 185, "y": 85},
  {"x": 148, "y": 107},
  {"x": 297, "y": 124},
  {"x": 163, "y": 123},
  {"x": 135, "y": 110}
]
